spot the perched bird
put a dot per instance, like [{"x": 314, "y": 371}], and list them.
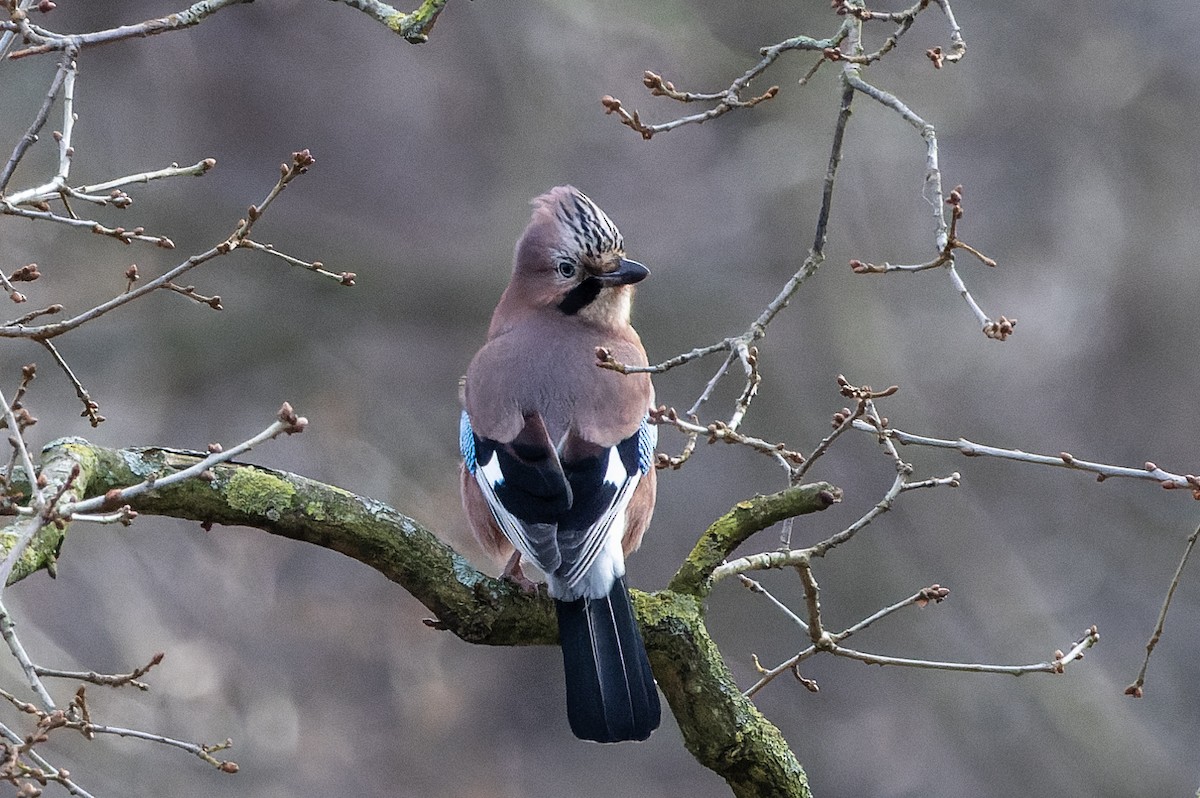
[{"x": 558, "y": 453}]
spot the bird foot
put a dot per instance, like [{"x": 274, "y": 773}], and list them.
[{"x": 512, "y": 572}]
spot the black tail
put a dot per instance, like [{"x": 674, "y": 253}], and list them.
[{"x": 610, "y": 690}]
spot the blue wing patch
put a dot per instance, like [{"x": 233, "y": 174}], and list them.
[
  {"x": 647, "y": 441},
  {"x": 466, "y": 441}
]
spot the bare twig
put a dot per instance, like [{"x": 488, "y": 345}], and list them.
[
  {"x": 77, "y": 717},
  {"x": 1135, "y": 689},
  {"x": 18, "y": 444},
  {"x": 91, "y": 410},
  {"x": 755, "y": 586},
  {"x": 1055, "y": 665},
  {"x": 189, "y": 291},
  {"x": 288, "y": 423},
  {"x": 342, "y": 278},
  {"x": 42, "y": 770},
  {"x": 999, "y": 329},
  {"x": 844, "y": 45},
  {"x": 204, "y": 752},
  {"x": 1149, "y": 471},
  {"x": 125, "y": 236},
  {"x": 720, "y": 431},
  {"x": 8, "y": 631},
  {"x": 301, "y": 160},
  {"x": 104, "y": 679},
  {"x": 758, "y": 327},
  {"x": 607, "y": 361},
  {"x": 45, "y": 41},
  {"x": 729, "y": 99},
  {"x": 93, "y": 192},
  {"x": 64, "y": 81},
  {"x": 39, "y": 121},
  {"x": 831, "y": 644}
]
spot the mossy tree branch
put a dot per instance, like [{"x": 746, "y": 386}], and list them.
[
  {"x": 721, "y": 727},
  {"x": 734, "y": 528}
]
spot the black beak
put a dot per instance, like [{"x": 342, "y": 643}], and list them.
[{"x": 627, "y": 273}]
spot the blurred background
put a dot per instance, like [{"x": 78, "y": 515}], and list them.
[{"x": 1073, "y": 131}]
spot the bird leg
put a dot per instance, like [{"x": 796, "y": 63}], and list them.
[{"x": 513, "y": 573}]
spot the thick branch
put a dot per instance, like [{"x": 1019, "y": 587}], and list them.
[
  {"x": 475, "y": 607},
  {"x": 695, "y": 577},
  {"x": 720, "y": 726}
]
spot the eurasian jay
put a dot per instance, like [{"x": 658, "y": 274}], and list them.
[{"x": 558, "y": 453}]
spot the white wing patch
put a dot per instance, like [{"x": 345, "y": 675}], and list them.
[
  {"x": 489, "y": 476},
  {"x": 600, "y": 558},
  {"x": 605, "y": 535}
]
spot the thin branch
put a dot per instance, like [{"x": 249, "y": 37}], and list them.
[
  {"x": 120, "y": 233},
  {"x": 342, "y": 278},
  {"x": 45, "y": 771},
  {"x": 933, "y": 175},
  {"x": 800, "y": 557},
  {"x": 45, "y": 194},
  {"x": 31, "y": 135},
  {"x": 78, "y": 718},
  {"x": 706, "y": 394},
  {"x": 1103, "y": 471},
  {"x": 204, "y": 752},
  {"x": 729, "y": 99},
  {"x": 755, "y": 586},
  {"x": 9, "y": 632},
  {"x": 47, "y": 331},
  {"x": 47, "y": 41},
  {"x": 812, "y": 603},
  {"x": 844, "y": 419},
  {"x": 65, "y": 137},
  {"x": 769, "y": 675},
  {"x": 749, "y": 357},
  {"x": 8, "y": 34},
  {"x": 189, "y": 291},
  {"x": 68, "y": 71},
  {"x": 721, "y": 431},
  {"x": 934, "y": 593},
  {"x": 605, "y": 359},
  {"x": 1055, "y": 665},
  {"x": 758, "y": 328},
  {"x": 301, "y": 160},
  {"x": 91, "y": 410},
  {"x": 104, "y": 679},
  {"x": 288, "y": 423},
  {"x": 413, "y": 26},
  {"x": 904, "y": 20},
  {"x": 1135, "y": 689},
  {"x": 770, "y": 560},
  {"x": 829, "y": 644},
  {"x": 958, "y": 45},
  {"x": 945, "y": 236},
  {"x": 18, "y": 443}
]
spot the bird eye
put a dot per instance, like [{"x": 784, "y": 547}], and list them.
[{"x": 566, "y": 268}]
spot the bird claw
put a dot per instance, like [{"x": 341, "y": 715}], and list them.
[{"x": 512, "y": 573}]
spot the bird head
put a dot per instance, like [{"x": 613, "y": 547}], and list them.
[{"x": 571, "y": 259}]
